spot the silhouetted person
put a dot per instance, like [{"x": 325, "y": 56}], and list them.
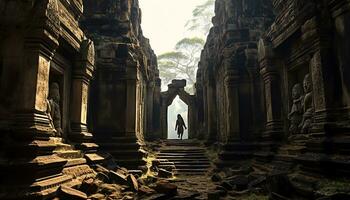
[{"x": 180, "y": 125}]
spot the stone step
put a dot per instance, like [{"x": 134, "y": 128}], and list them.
[
  {"x": 187, "y": 160},
  {"x": 69, "y": 154},
  {"x": 190, "y": 162},
  {"x": 183, "y": 157},
  {"x": 94, "y": 158},
  {"x": 131, "y": 164},
  {"x": 88, "y": 147},
  {"x": 183, "y": 151},
  {"x": 75, "y": 161},
  {"x": 121, "y": 154},
  {"x": 124, "y": 146},
  {"x": 190, "y": 170},
  {"x": 183, "y": 166},
  {"x": 181, "y": 154}
]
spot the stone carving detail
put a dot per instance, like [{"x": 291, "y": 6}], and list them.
[
  {"x": 296, "y": 114},
  {"x": 88, "y": 51},
  {"x": 53, "y": 16},
  {"x": 54, "y": 110},
  {"x": 308, "y": 105}
]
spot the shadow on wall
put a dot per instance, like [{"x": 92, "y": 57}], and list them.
[{"x": 177, "y": 107}]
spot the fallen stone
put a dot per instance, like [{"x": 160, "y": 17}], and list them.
[
  {"x": 226, "y": 185},
  {"x": 165, "y": 187},
  {"x": 144, "y": 169},
  {"x": 136, "y": 172},
  {"x": 97, "y": 196},
  {"x": 155, "y": 163},
  {"x": 216, "y": 178},
  {"x": 132, "y": 182},
  {"x": 118, "y": 177},
  {"x": 279, "y": 184},
  {"x": 109, "y": 189},
  {"x": 338, "y": 196},
  {"x": 144, "y": 190},
  {"x": 116, "y": 195},
  {"x": 89, "y": 186},
  {"x": 164, "y": 173},
  {"x": 102, "y": 177},
  {"x": 214, "y": 195},
  {"x": 257, "y": 182},
  {"x": 239, "y": 182},
  {"x": 67, "y": 193},
  {"x": 100, "y": 168}
]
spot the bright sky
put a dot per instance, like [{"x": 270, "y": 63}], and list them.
[{"x": 163, "y": 21}]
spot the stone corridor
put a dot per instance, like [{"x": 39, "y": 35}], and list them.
[{"x": 82, "y": 114}]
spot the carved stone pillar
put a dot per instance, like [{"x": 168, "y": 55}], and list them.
[
  {"x": 273, "y": 127},
  {"x": 82, "y": 74},
  {"x": 150, "y": 100},
  {"x": 130, "y": 126},
  {"x": 211, "y": 100},
  {"x": 39, "y": 45},
  {"x": 232, "y": 103},
  {"x": 157, "y": 109}
]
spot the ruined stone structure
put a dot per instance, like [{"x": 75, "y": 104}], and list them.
[
  {"x": 273, "y": 88},
  {"x": 46, "y": 67},
  {"x": 79, "y": 89},
  {"x": 229, "y": 87},
  {"x": 126, "y": 82}
]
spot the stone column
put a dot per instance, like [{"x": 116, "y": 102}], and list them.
[
  {"x": 150, "y": 102},
  {"x": 157, "y": 109},
  {"x": 82, "y": 74},
  {"x": 273, "y": 127},
  {"x": 232, "y": 103},
  {"x": 38, "y": 47},
  {"x": 131, "y": 98},
  {"x": 211, "y": 100}
]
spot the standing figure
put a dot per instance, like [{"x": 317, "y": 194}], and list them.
[
  {"x": 54, "y": 108},
  {"x": 296, "y": 114},
  {"x": 180, "y": 125},
  {"x": 308, "y": 106}
]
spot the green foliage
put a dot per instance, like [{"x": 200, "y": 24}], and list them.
[
  {"x": 201, "y": 17},
  {"x": 182, "y": 62}
]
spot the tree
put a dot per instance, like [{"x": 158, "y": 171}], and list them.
[
  {"x": 182, "y": 62},
  {"x": 201, "y": 18}
]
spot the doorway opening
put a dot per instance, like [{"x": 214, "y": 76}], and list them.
[{"x": 177, "y": 107}]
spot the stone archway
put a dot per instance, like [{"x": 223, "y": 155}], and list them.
[{"x": 177, "y": 88}]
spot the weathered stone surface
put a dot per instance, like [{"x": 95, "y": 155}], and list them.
[
  {"x": 132, "y": 182},
  {"x": 165, "y": 187},
  {"x": 118, "y": 177},
  {"x": 66, "y": 193},
  {"x": 164, "y": 173},
  {"x": 146, "y": 190}
]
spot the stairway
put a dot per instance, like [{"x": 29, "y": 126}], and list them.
[
  {"x": 186, "y": 157},
  {"x": 127, "y": 151}
]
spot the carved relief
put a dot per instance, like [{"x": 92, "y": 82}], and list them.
[
  {"x": 307, "y": 105},
  {"x": 54, "y": 109},
  {"x": 296, "y": 114}
]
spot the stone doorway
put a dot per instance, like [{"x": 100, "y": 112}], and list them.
[
  {"x": 177, "y": 107},
  {"x": 177, "y": 88}
]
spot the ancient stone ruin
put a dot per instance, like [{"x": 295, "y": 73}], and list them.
[{"x": 82, "y": 115}]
